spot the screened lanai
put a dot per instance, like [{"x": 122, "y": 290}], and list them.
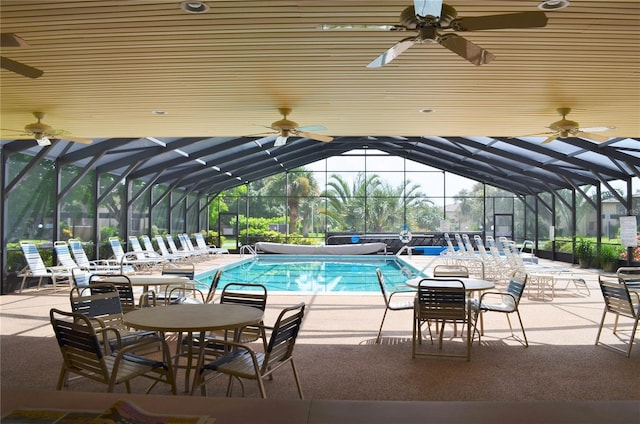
[
  {"x": 180, "y": 103},
  {"x": 243, "y": 190}
]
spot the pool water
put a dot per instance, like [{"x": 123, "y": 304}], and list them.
[{"x": 316, "y": 273}]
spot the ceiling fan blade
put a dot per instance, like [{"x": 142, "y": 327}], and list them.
[
  {"x": 280, "y": 141},
  {"x": 534, "y": 134},
  {"x": 506, "y": 21},
  {"x": 595, "y": 129},
  {"x": 20, "y": 68},
  {"x": 466, "y": 49},
  {"x": 424, "y": 8},
  {"x": 591, "y": 136},
  {"x": 549, "y": 139},
  {"x": 74, "y": 139},
  {"x": 318, "y": 137},
  {"x": 392, "y": 53},
  {"x": 312, "y": 128},
  {"x": 9, "y": 39}
]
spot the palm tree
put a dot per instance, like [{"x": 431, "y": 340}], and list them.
[{"x": 297, "y": 186}]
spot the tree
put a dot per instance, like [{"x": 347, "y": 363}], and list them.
[{"x": 297, "y": 187}]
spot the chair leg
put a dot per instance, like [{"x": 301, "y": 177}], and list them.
[
  {"x": 604, "y": 314},
  {"x": 413, "y": 338},
  {"x": 381, "y": 324},
  {"x": 526, "y": 342},
  {"x": 295, "y": 375},
  {"x": 475, "y": 327},
  {"x": 633, "y": 335}
]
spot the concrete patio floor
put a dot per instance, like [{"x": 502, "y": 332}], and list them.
[{"x": 570, "y": 318}]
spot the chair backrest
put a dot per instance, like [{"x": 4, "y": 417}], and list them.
[
  {"x": 118, "y": 251},
  {"x": 441, "y": 299},
  {"x": 64, "y": 254},
  {"x": 33, "y": 258},
  {"x": 461, "y": 247},
  {"x": 451, "y": 271},
  {"x": 121, "y": 283},
  {"x": 517, "y": 282},
  {"x": 80, "y": 277},
  {"x": 246, "y": 294},
  {"x": 100, "y": 301},
  {"x": 79, "y": 344},
  {"x": 202, "y": 244},
  {"x": 630, "y": 274},
  {"x": 78, "y": 253},
  {"x": 467, "y": 243},
  {"x": 450, "y": 248},
  {"x": 135, "y": 245},
  {"x": 162, "y": 246},
  {"x": 172, "y": 244},
  {"x": 146, "y": 243},
  {"x": 185, "y": 240},
  {"x": 214, "y": 286},
  {"x": 284, "y": 335},
  {"x": 383, "y": 286},
  {"x": 617, "y": 298}
]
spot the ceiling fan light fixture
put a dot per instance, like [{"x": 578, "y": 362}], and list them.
[
  {"x": 194, "y": 7},
  {"x": 43, "y": 140},
  {"x": 553, "y": 5}
]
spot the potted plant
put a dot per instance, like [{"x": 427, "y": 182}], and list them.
[
  {"x": 609, "y": 257},
  {"x": 584, "y": 252}
]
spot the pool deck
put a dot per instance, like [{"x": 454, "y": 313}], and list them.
[{"x": 354, "y": 319}]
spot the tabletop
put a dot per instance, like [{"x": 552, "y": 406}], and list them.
[
  {"x": 156, "y": 280},
  {"x": 193, "y": 318},
  {"x": 470, "y": 284}
]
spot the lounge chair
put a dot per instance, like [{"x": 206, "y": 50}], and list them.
[
  {"x": 164, "y": 252},
  {"x": 187, "y": 246},
  {"x": 140, "y": 265},
  {"x": 143, "y": 255},
  {"x": 36, "y": 268},
  {"x": 100, "y": 265},
  {"x": 173, "y": 249},
  {"x": 211, "y": 248}
]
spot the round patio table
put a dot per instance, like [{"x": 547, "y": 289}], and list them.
[
  {"x": 193, "y": 319},
  {"x": 470, "y": 284}
]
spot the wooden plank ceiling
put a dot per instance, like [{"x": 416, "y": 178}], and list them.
[{"x": 108, "y": 64}]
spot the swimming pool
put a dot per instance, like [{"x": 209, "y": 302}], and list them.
[{"x": 315, "y": 273}]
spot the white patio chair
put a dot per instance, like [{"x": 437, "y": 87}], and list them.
[
  {"x": 37, "y": 269},
  {"x": 211, "y": 248},
  {"x": 100, "y": 265}
]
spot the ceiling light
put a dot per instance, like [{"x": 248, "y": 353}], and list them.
[
  {"x": 43, "y": 140},
  {"x": 425, "y": 110},
  {"x": 194, "y": 6},
  {"x": 159, "y": 112},
  {"x": 553, "y": 4}
]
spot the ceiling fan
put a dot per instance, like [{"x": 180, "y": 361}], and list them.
[
  {"x": 436, "y": 22},
  {"x": 565, "y": 128},
  {"x": 43, "y": 133},
  {"x": 8, "y": 39},
  {"x": 286, "y": 128}
]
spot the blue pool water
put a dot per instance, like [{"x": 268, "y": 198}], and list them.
[{"x": 316, "y": 273}]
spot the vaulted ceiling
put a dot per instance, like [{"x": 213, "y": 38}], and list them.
[{"x": 219, "y": 78}]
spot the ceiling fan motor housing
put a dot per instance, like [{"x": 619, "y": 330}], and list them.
[
  {"x": 37, "y": 128},
  {"x": 284, "y": 124}
]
